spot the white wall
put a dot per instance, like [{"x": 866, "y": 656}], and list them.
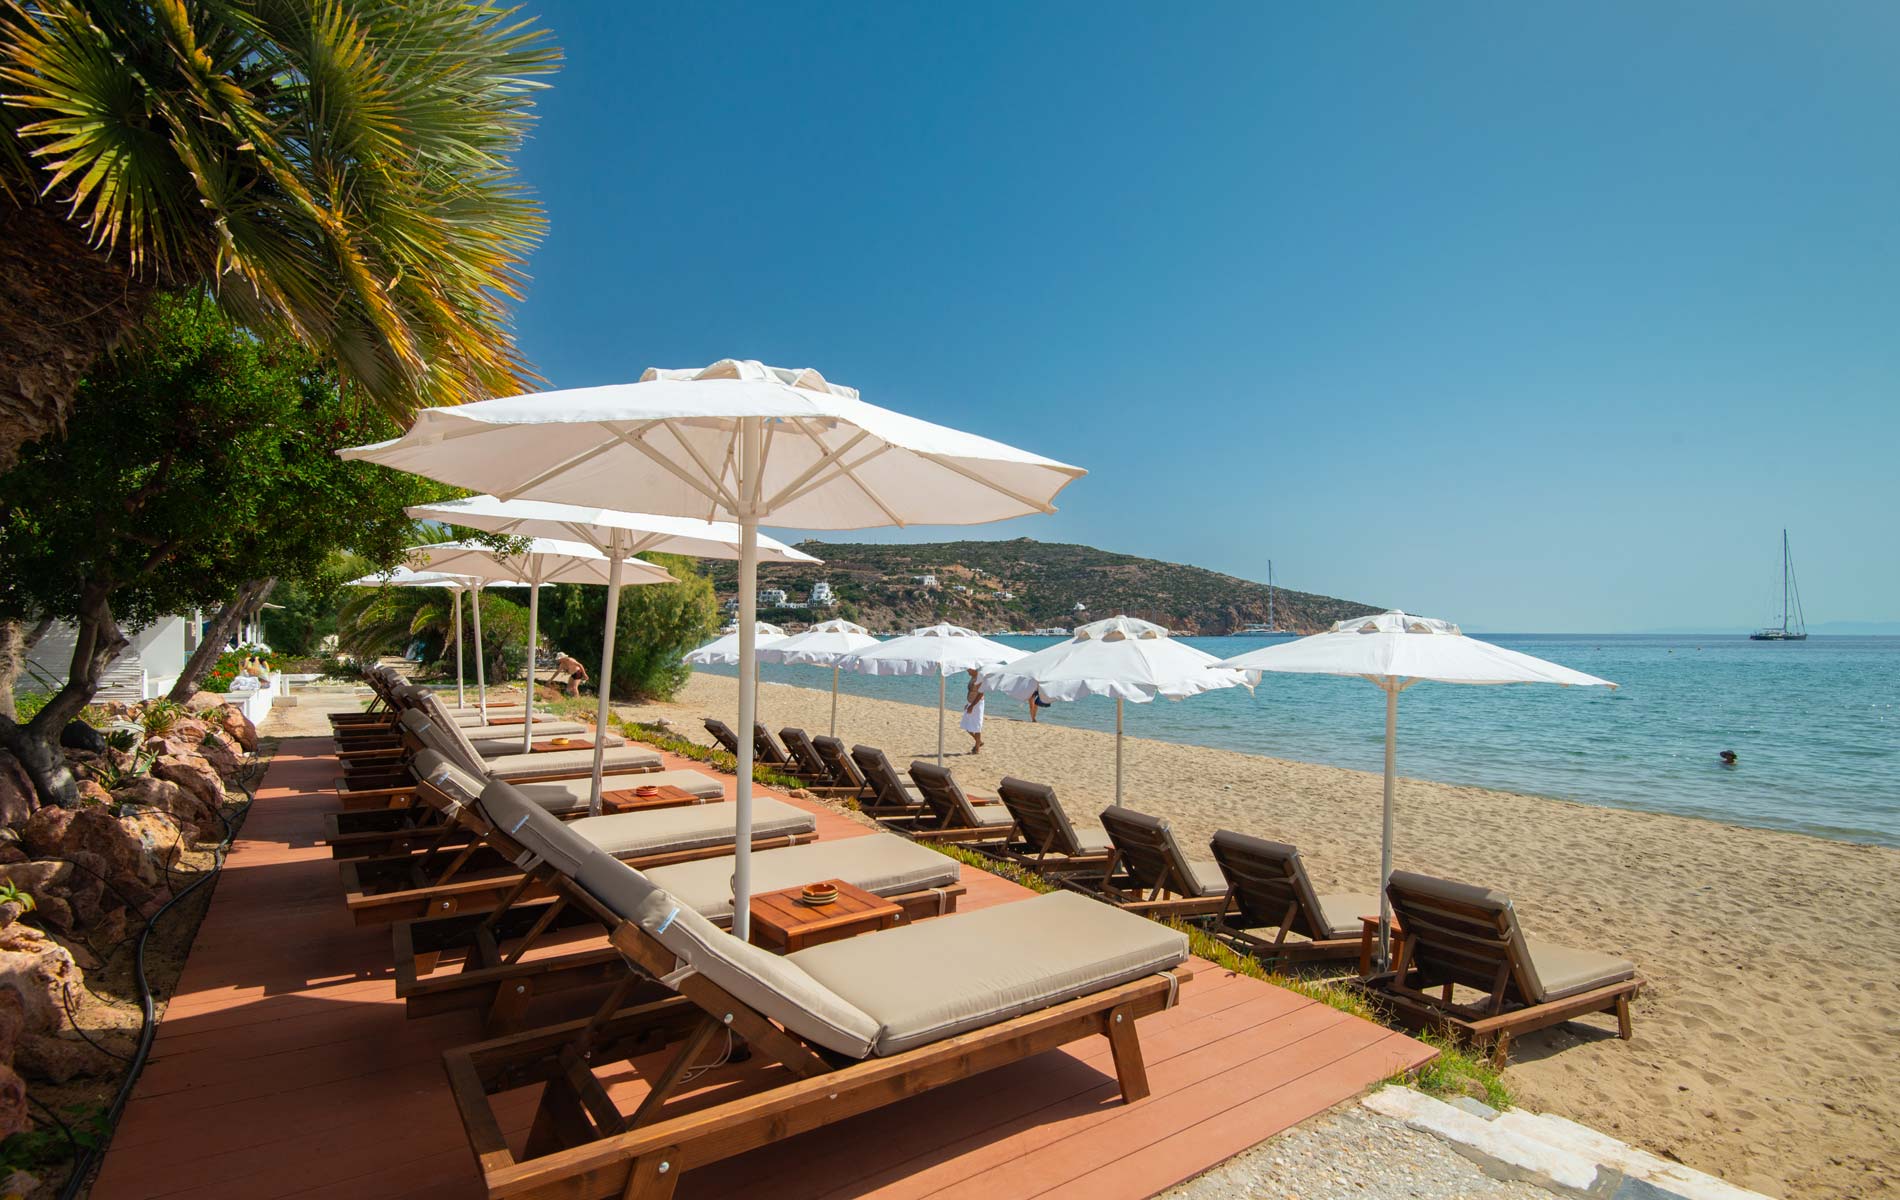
[{"x": 160, "y": 649}]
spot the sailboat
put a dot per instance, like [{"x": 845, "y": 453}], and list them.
[
  {"x": 1270, "y": 629},
  {"x": 1794, "y": 626}
]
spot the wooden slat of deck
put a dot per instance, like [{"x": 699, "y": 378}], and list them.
[{"x": 285, "y": 1067}]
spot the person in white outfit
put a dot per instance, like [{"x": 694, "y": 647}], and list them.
[{"x": 972, "y": 722}]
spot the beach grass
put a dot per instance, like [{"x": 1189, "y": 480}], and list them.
[
  {"x": 1344, "y": 997},
  {"x": 1459, "y": 1072},
  {"x": 672, "y": 743},
  {"x": 995, "y": 866}
]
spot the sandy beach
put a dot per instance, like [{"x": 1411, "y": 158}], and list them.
[{"x": 1765, "y": 1043}]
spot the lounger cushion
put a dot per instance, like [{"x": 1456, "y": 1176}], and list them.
[
  {"x": 880, "y": 863},
  {"x": 455, "y": 748},
  {"x": 1090, "y": 837},
  {"x": 566, "y": 796},
  {"x": 1207, "y": 876},
  {"x": 561, "y": 844},
  {"x": 928, "y": 981},
  {"x": 506, "y": 743},
  {"x": 511, "y": 734},
  {"x": 758, "y": 978},
  {"x": 1565, "y": 971},
  {"x": 619, "y": 759},
  {"x": 694, "y": 827},
  {"x": 1341, "y": 912}
]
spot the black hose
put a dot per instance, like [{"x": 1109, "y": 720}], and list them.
[{"x": 148, "y": 1031}]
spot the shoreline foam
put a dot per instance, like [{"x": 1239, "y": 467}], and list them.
[{"x": 1764, "y": 1040}]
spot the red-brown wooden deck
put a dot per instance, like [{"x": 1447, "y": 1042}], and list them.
[{"x": 285, "y": 1067}]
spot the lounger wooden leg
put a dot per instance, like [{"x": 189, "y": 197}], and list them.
[
  {"x": 1623, "y": 1016},
  {"x": 1125, "y": 1045},
  {"x": 559, "y": 1122},
  {"x": 676, "y": 1070},
  {"x": 512, "y": 998},
  {"x": 654, "y": 1175}
]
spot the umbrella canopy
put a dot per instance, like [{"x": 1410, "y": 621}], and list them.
[
  {"x": 456, "y": 585},
  {"x": 738, "y": 441},
  {"x": 825, "y": 644},
  {"x": 542, "y": 561},
  {"x": 940, "y": 650},
  {"x": 614, "y": 533},
  {"x": 723, "y": 651},
  {"x": 1395, "y": 650},
  {"x": 1123, "y": 657}
]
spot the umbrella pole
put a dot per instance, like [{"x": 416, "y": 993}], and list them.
[
  {"x": 461, "y": 693},
  {"x": 1385, "y": 839},
  {"x": 748, "y": 490},
  {"x": 527, "y": 715},
  {"x": 834, "y": 700},
  {"x": 1118, "y": 751},
  {"x": 606, "y": 672},
  {"x": 940, "y": 689},
  {"x": 481, "y": 671}
]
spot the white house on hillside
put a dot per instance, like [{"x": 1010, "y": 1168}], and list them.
[{"x": 822, "y": 595}]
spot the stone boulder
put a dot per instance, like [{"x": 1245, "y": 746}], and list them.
[
  {"x": 67, "y": 893},
  {"x": 92, "y": 791},
  {"x": 189, "y": 729},
  {"x": 236, "y": 725},
  {"x": 222, "y": 759},
  {"x": 41, "y": 972},
  {"x": 17, "y": 797},
  {"x": 164, "y": 796},
  {"x": 161, "y": 835},
  {"x": 195, "y": 776},
  {"x": 13, "y": 1111},
  {"x": 176, "y": 747},
  {"x": 68, "y": 833},
  {"x": 80, "y": 736},
  {"x": 202, "y": 700}
]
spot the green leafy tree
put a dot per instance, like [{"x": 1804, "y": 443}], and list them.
[
  {"x": 201, "y": 462},
  {"x": 335, "y": 169},
  {"x": 658, "y": 623}
]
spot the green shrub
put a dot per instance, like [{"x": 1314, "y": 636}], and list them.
[
  {"x": 1458, "y": 1072},
  {"x": 1014, "y": 872},
  {"x": 159, "y": 716},
  {"x": 27, "y": 705},
  {"x": 1342, "y": 996}
]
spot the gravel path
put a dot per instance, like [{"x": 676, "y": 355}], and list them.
[{"x": 1352, "y": 1154}]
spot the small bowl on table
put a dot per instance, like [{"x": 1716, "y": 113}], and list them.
[
  {"x": 646, "y": 792},
  {"x": 562, "y": 741},
  {"x": 817, "y": 895}
]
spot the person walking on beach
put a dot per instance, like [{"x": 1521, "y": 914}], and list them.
[
  {"x": 576, "y": 674},
  {"x": 972, "y": 722},
  {"x": 1036, "y": 705}
]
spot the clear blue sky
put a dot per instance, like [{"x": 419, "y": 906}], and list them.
[{"x": 1528, "y": 316}]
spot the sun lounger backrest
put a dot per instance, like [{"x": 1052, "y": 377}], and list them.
[
  {"x": 1266, "y": 879},
  {"x": 803, "y": 752},
  {"x": 449, "y": 731},
  {"x": 1039, "y": 816},
  {"x": 881, "y": 776},
  {"x": 758, "y": 978},
  {"x": 437, "y": 771},
  {"x": 443, "y": 737},
  {"x": 766, "y": 747},
  {"x": 944, "y": 796},
  {"x": 1463, "y": 933},
  {"x": 1148, "y": 851},
  {"x": 533, "y": 828},
  {"x": 844, "y": 770},
  {"x": 722, "y": 733}
]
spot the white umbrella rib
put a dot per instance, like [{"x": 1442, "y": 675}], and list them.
[
  {"x": 717, "y": 492},
  {"x": 568, "y": 464},
  {"x": 991, "y": 484},
  {"x": 849, "y": 471},
  {"x": 796, "y": 487}
]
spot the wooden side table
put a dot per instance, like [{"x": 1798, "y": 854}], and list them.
[
  {"x": 782, "y": 924},
  {"x": 1369, "y": 941},
  {"x": 549, "y": 746},
  {"x": 626, "y": 800}
]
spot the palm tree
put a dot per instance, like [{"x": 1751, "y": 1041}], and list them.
[{"x": 337, "y": 168}]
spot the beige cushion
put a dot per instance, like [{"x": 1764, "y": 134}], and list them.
[
  {"x": 543, "y": 727},
  {"x": 538, "y": 831},
  {"x": 1341, "y": 912},
  {"x": 1564, "y": 971},
  {"x": 667, "y": 830},
  {"x": 928, "y": 981},
  {"x": 619, "y": 759},
  {"x": 1090, "y": 837},
  {"x": 1206, "y": 874},
  {"x": 880, "y": 863},
  {"x": 757, "y": 978},
  {"x": 508, "y": 743},
  {"x": 565, "y": 796}
]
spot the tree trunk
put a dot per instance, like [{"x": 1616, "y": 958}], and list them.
[
  {"x": 66, "y": 304},
  {"x": 36, "y": 744},
  {"x": 250, "y": 595},
  {"x": 17, "y": 640}
]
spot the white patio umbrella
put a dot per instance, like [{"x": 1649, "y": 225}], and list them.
[
  {"x": 825, "y": 644},
  {"x": 1123, "y": 657},
  {"x": 723, "y": 651},
  {"x": 1395, "y": 650},
  {"x": 456, "y": 585},
  {"x": 543, "y": 561},
  {"x": 740, "y": 441},
  {"x": 940, "y": 650},
  {"x": 619, "y": 536}
]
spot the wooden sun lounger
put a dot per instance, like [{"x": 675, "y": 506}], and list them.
[
  {"x": 1267, "y": 888},
  {"x": 888, "y": 797},
  {"x": 479, "y": 874},
  {"x": 1046, "y": 841},
  {"x": 831, "y": 1059},
  {"x": 951, "y": 816},
  {"x": 1460, "y": 935},
  {"x": 811, "y": 766},
  {"x": 845, "y": 775},
  {"x": 722, "y": 733},
  {"x": 1147, "y": 873}
]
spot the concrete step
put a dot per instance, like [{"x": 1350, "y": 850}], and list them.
[{"x": 1551, "y": 1152}]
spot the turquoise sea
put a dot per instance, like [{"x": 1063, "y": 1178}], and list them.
[{"x": 1816, "y": 726}]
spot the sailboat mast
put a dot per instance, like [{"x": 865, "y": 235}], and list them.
[{"x": 1784, "y": 581}]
